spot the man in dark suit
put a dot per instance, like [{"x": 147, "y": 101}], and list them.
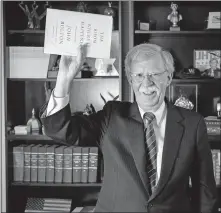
[{"x": 150, "y": 147}]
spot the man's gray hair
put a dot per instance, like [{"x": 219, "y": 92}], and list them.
[{"x": 145, "y": 51}]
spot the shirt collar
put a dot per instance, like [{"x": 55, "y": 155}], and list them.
[{"x": 158, "y": 114}]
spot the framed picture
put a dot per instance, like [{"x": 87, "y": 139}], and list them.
[
  {"x": 202, "y": 58},
  {"x": 185, "y": 95},
  {"x": 214, "y": 20}
]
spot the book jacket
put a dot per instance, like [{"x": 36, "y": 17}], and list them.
[{"x": 66, "y": 30}]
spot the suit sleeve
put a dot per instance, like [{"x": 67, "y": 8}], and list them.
[
  {"x": 204, "y": 194},
  {"x": 81, "y": 130}
]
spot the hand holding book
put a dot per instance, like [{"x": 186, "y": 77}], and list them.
[{"x": 69, "y": 67}]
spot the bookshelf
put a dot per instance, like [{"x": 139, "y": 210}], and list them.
[{"x": 22, "y": 94}]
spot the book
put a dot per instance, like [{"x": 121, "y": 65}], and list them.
[
  {"x": 213, "y": 125},
  {"x": 66, "y": 30},
  {"x": 18, "y": 163},
  {"x": 50, "y": 163},
  {"x": 47, "y": 205},
  {"x": 58, "y": 163},
  {"x": 216, "y": 165},
  {"x": 27, "y": 163},
  {"x": 34, "y": 163},
  {"x": 67, "y": 166},
  {"x": 93, "y": 164},
  {"x": 85, "y": 160},
  {"x": 77, "y": 164},
  {"x": 42, "y": 158}
]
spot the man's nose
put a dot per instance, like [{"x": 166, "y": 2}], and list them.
[{"x": 147, "y": 80}]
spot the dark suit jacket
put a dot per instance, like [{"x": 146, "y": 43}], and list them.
[{"x": 118, "y": 129}]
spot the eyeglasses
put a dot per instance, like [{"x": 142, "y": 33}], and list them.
[{"x": 139, "y": 77}]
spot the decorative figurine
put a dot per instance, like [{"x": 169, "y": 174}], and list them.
[
  {"x": 38, "y": 18},
  {"x": 82, "y": 7},
  {"x": 29, "y": 14},
  {"x": 183, "y": 101},
  {"x": 34, "y": 123},
  {"x": 109, "y": 11},
  {"x": 174, "y": 17}
]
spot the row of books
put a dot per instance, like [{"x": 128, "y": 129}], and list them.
[
  {"x": 216, "y": 165},
  {"x": 55, "y": 164},
  {"x": 213, "y": 125},
  {"x": 41, "y": 205}
]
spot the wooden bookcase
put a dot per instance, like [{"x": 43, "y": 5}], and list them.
[
  {"x": 22, "y": 95},
  {"x": 192, "y": 35}
]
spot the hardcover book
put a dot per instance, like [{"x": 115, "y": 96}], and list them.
[
  {"x": 18, "y": 163},
  {"x": 27, "y": 163},
  {"x": 50, "y": 164},
  {"x": 42, "y": 163},
  {"x": 67, "y": 169},
  {"x": 85, "y": 160},
  {"x": 66, "y": 30},
  {"x": 34, "y": 163},
  {"x": 77, "y": 164},
  {"x": 92, "y": 165},
  {"x": 59, "y": 153}
]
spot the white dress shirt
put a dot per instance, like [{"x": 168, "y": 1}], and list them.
[{"x": 55, "y": 104}]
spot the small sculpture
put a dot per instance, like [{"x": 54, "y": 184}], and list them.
[
  {"x": 183, "y": 101},
  {"x": 34, "y": 124},
  {"x": 174, "y": 17},
  {"x": 29, "y": 14},
  {"x": 33, "y": 17},
  {"x": 82, "y": 7},
  {"x": 38, "y": 18}
]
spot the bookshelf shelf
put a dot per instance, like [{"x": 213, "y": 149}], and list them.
[
  {"x": 214, "y": 138},
  {"x": 23, "y": 184},
  {"x": 54, "y": 79},
  {"x": 178, "y": 33},
  {"x": 27, "y": 31},
  {"x": 197, "y": 81},
  {"x": 28, "y": 137}
]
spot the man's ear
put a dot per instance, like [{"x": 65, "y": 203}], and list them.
[{"x": 170, "y": 78}]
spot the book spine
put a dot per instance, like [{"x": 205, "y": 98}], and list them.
[
  {"x": 92, "y": 165},
  {"x": 50, "y": 164},
  {"x": 216, "y": 165},
  {"x": 67, "y": 170},
  {"x": 84, "y": 171},
  {"x": 42, "y": 163},
  {"x": 58, "y": 164},
  {"x": 34, "y": 163},
  {"x": 18, "y": 163},
  {"x": 77, "y": 164},
  {"x": 27, "y": 163}
]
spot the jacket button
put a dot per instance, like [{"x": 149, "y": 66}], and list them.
[{"x": 151, "y": 205}]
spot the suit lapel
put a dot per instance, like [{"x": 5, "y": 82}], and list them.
[
  {"x": 136, "y": 142},
  {"x": 173, "y": 135}
]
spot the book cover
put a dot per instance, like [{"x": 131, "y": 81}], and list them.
[
  {"x": 66, "y": 30},
  {"x": 18, "y": 163},
  {"x": 27, "y": 163},
  {"x": 93, "y": 164},
  {"x": 58, "y": 163},
  {"x": 34, "y": 163},
  {"x": 67, "y": 169},
  {"x": 85, "y": 160},
  {"x": 50, "y": 163},
  {"x": 77, "y": 164},
  {"x": 42, "y": 163}
]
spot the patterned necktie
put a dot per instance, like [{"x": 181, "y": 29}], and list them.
[{"x": 151, "y": 150}]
